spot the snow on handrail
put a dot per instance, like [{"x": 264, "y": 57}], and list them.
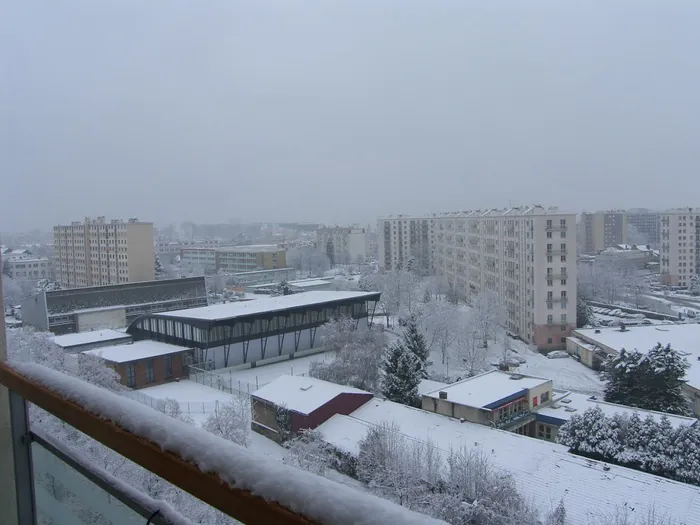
[{"x": 256, "y": 489}]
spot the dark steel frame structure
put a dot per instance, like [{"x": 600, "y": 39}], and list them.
[{"x": 203, "y": 334}]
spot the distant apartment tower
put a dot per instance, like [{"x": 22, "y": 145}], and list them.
[
  {"x": 343, "y": 245},
  {"x": 402, "y": 239},
  {"x": 646, "y": 222},
  {"x": 525, "y": 256},
  {"x": 680, "y": 246},
  {"x": 603, "y": 229},
  {"x": 100, "y": 252}
]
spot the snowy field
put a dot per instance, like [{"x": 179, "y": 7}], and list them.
[{"x": 250, "y": 379}]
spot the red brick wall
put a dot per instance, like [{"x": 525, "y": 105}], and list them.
[
  {"x": 342, "y": 404},
  {"x": 179, "y": 370}
]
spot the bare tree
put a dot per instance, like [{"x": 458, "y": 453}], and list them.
[
  {"x": 231, "y": 420},
  {"x": 437, "y": 320}
]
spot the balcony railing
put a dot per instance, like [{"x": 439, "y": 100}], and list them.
[
  {"x": 556, "y": 252},
  {"x": 243, "y": 486}
]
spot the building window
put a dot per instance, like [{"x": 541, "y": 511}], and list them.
[
  {"x": 544, "y": 397},
  {"x": 549, "y": 340},
  {"x": 168, "y": 366},
  {"x": 150, "y": 371},
  {"x": 130, "y": 374},
  {"x": 544, "y": 432}
]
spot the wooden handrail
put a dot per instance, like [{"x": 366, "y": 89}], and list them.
[{"x": 208, "y": 487}]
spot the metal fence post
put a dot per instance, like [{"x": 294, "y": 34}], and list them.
[{"x": 22, "y": 454}]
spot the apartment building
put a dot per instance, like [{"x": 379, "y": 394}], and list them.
[
  {"x": 603, "y": 229},
  {"x": 646, "y": 222},
  {"x": 680, "y": 245},
  {"x": 97, "y": 252},
  {"x": 525, "y": 256},
  {"x": 28, "y": 267},
  {"x": 402, "y": 238},
  {"x": 250, "y": 258},
  {"x": 343, "y": 245},
  {"x": 199, "y": 257}
]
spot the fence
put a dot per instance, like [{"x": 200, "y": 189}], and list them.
[{"x": 186, "y": 407}]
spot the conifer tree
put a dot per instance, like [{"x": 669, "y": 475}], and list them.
[
  {"x": 652, "y": 381},
  {"x": 401, "y": 375},
  {"x": 414, "y": 341}
]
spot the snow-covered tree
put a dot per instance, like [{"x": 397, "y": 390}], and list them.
[
  {"x": 649, "y": 445},
  {"x": 694, "y": 287},
  {"x": 308, "y": 260},
  {"x": 469, "y": 344},
  {"x": 160, "y": 272},
  {"x": 401, "y": 293},
  {"x": 94, "y": 370},
  {"x": 283, "y": 418},
  {"x": 216, "y": 284},
  {"x": 653, "y": 381},
  {"x": 584, "y": 313},
  {"x": 281, "y": 288},
  {"x": 437, "y": 321},
  {"x": 487, "y": 316},
  {"x": 308, "y": 451},
  {"x": 11, "y": 291},
  {"x": 415, "y": 342},
  {"x": 402, "y": 372},
  {"x": 357, "y": 355},
  {"x": 557, "y": 516},
  {"x": 231, "y": 420}
]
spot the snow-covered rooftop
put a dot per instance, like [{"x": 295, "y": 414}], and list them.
[
  {"x": 135, "y": 351},
  {"x": 570, "y": 403},
  {"x": 219, "y": 312},
  {"x": 86, "y": 338},
  {"x": 544, "y": 472},
  {"x": 487, "y": 389},
  {"x": 428, "y": 385},
  {"x": 302, "y": 394},
  {"x": 682, "y": 337}
]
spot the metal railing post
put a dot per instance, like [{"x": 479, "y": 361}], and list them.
[{"x": 22, "y": 455}]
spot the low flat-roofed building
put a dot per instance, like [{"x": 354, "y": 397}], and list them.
[
  {"x": 82, "y": 341},
  {"x": 591, "y": 344},
  {"x": 544, "y": 472},
  {"x": 239, "y": 332},
  {"x": 97, "y": 307},
  {"x": 309, "y": 402},
  {"x": 501, "y": 399},
  {"x": 565, "y": 405},
  {"x": 145, "y": 363}
]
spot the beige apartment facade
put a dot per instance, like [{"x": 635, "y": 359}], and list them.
[
  {"x": 680, "y": 246},
  {"x": 603, "y": 229},
  {"x": 525, "y": 256},
  {"x": 98, "y": 252},
  {"x": 403, "y": 238}
]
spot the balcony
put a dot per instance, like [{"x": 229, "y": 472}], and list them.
[
  {"x": 52, "y": 480},
  {"x": 556, "y": 252},
  {"x": 556, "y": 228}
]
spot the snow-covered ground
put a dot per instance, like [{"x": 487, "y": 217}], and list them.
[
  {"x": 250, "y": 379},
  {"x": 567, "y": 373}
]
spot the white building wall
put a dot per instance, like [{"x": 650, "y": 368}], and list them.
[
  {"x": 679, "y": 256},
  {"x": 505, "y": 252},
  {"x": 401, "y": 238}
]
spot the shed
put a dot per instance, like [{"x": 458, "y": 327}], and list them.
[{"x": 305, "y": 401}]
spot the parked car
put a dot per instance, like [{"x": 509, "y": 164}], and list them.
[{"x": 557, "y": 354}]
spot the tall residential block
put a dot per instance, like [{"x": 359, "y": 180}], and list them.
[
  {"x": 646, "y": 223},
  {"x": 603, "y": 229},
  {"x": 525, "y": 256},
  {"x": 680, "y": 246},
  {"x": 402, "y": 239},
  {"x": 343, "y": 245},
  {"x": 98, "y": 252}
]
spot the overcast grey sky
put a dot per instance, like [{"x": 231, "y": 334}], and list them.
[{"x": 330, "y": 111}]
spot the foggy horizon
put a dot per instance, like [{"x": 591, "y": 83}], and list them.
[{"x": 342, "y": 113}]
